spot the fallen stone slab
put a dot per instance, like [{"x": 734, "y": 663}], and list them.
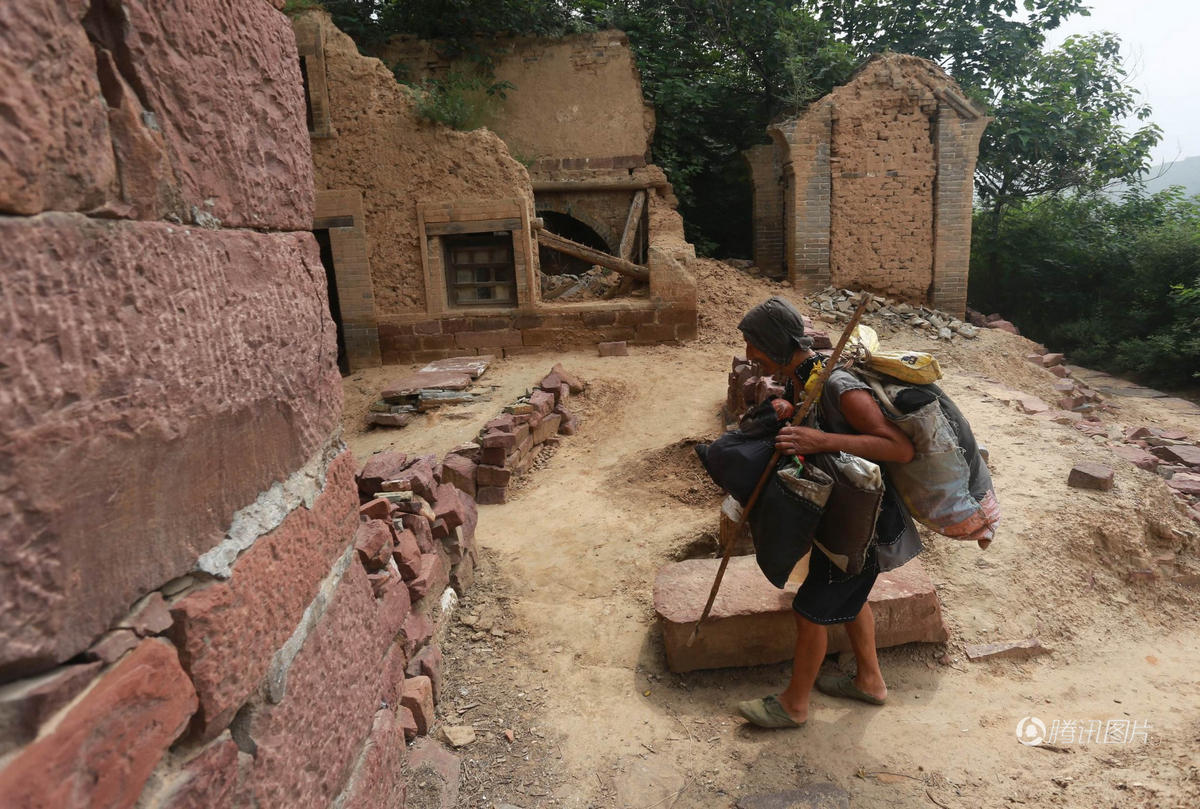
[
  {"x": 1186, "y": 454},
  {"x": 1017, "y": 650},
  {"x": 1185, "y": 483},
  {"x": 613, "y": 349},
  {"x": 1138, "y": 457},
  {"x": 1051, "y": 360},
  {"x": 751, "y": 623},
  {"x": 413, "y": 384},
  {"x": 1089, "y": 475},
  {"x": 1031, "y": 405},
  {"x": 475, "y": 366}
]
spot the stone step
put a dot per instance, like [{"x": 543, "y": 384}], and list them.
[{"x": 751, "y": 622}]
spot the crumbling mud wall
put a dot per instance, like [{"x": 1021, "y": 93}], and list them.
[
  {"x": 422, "y": 185},
  {"x": 871, "y": 186},
  {"x": 194, "y": 610},
  {"x": 575, "y": 102}
]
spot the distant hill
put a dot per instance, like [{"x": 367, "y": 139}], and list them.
[{"x": 1184, "y": 172}]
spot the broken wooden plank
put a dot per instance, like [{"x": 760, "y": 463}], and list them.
[
  {"x": 632, "y": 222},
  {"x": 586, "y": 253},
  {"x": 596, "y": 185}
]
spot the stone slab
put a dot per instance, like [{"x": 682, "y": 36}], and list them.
[
  {"x": 102, "y": 751},
  {"x": 138, "y": 358},
  {"x": 751, "y": 623},
  {"x": 413, "y": 384},
  {"x": 475, "y": 366}
]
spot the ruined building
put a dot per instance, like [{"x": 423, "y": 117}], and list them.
[
  {"x": 871, "y": 186},
  {"x": 431, "y": 236}
]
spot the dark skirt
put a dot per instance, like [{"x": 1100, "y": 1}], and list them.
[{"x": 829, "y": 596}]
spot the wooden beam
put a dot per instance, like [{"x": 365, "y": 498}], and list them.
[
  {"x": 632, "y": 222},
  {"x": 582, "y": 251},
  {"x": 471, "y": 226},
  {"x": 595, "y": 185}
]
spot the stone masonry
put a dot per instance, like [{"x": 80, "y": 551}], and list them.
[
  {"x": 871, "y": 187},
  {"x": 196, "y": 608}
]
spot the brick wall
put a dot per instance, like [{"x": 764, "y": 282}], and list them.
[
  {"x": 194, "y": 609},
  {"x": 877, "y": 185},
  {"x": 766, "y": 176}
]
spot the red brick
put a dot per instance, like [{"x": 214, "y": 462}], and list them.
[
  {"x": 377, "y": 509},
  {"x": 102, "y": 751},
  {"x": 420, "y": 528},
  {"x": 752, "y": 622},
  {"x": 379, "y": 467},
  {"x": 373, "y": 542},
  {"x": 215, "y": 776},
  {"x": 448, "y": 507},
  {"x": 492, "y": 456},
  {"x": 228, "y": 631},
  {"x": 418, "y": 698},
  {"x": 431, "y": 580},
  {"x": 26, "y": 704},
  {"x": 488, "y": 339},
  {"x": 499, "y": 440},
  {"x": 328, "y": 695}
]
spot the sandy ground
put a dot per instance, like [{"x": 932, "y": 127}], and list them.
[{"x": 563, "y": 651}]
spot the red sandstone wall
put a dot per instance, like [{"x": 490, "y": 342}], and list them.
[
  {"x": 381, "y": 147},
  {"x": 193, "y": 612}
]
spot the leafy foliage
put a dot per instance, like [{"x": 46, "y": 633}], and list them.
[
  {"x": 1115, "y": 283},
  {"x": 459, "y": 100}
]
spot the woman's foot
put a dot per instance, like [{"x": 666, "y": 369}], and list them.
[
  {"x": 769, "y": 712},
  {"x": 847, "y": 687}
]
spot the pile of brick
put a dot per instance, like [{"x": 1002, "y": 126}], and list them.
[
  {"x": 837, "y": 305},
  {"x": 509, "y": 444},
  {"x": 439, "y": 383},
  {"x": 1074, "y": 396}
]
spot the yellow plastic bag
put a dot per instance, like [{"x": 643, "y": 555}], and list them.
[{"x": 914, "y": 367}]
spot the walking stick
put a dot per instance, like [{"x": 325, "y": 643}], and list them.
[{"x": 810, "y": 398}]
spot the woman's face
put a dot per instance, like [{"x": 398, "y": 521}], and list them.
[{"x": 762, "y": 360}]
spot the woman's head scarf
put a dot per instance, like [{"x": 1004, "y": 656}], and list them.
[{"x": 776, "y": 329}]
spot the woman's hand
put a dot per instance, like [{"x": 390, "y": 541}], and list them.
[
  {"x": 783, "y": 409},
  {"x": 802, "y": 440}
]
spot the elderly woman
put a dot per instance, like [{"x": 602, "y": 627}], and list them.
[{"x": 852, "y": 422}]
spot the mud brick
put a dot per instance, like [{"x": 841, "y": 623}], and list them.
[
  {"x": 407, "y": 554},
  {"x": 379, "y": 467},
  {"x": 419, "y": 526},
  {"x": 418, "y": 698},
  {"x": 752, "y": 621},
  {"x": 377, "y": 509},
  {"x": 493, "y": 475},
  {"x": 428, "y": 663},
  {"x": 102, "y": 751},
  {"x": 431, "y": 579},
  {"x": 1091, "y": 476},
  {"x": 26, "y": 704},
  {"x": 617, "y": 348},
  {"x": 491, "y": 495},
  {"x": 499, "y": 440},
  {"x": 373, "y": 542}
]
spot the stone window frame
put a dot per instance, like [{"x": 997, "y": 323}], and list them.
[{"x": 462, "y": 217}]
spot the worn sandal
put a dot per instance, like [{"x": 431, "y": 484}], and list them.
[
  {"x": 842, "y": 685},
  {"x": 767, "y": 712}
]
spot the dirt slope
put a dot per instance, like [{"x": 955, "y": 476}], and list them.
[{"x": 569, "y": 659}]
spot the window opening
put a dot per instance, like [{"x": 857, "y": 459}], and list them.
[
  {"x": 480, "y": 270},
  {"x": 335, "y": 307}
]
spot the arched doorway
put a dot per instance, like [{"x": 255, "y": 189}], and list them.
[{"x": 560, "y": 224}]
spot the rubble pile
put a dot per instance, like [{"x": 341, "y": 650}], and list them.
[
  {"x": 596, "y": 283},
  {"x": 834, "y": 305},
  {"x": 439, "y": 383}
]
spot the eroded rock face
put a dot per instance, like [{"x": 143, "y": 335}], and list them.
[
  {"x": 156, "y": 379},
  {"x": 148, "y": 109}
]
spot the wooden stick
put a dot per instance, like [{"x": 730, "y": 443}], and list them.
[
  {"x": 810, "y": 398},
  {"x": 586, "y": 253},
  {"x": 633, "y": 221}
]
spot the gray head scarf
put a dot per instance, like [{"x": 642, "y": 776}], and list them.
[{"x": 776, "y": 329}]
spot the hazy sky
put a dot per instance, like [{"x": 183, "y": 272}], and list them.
[{"x": 1162, "y": 51}]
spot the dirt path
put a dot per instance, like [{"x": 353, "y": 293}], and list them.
[{"x": 569, "y": 657}]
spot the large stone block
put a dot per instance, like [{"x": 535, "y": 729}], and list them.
[
  {"x": 215, "y": 776},
  {"x": 100, "y": 753},
  {"x": 333, "y": 691},
  {"x": 138, "y": 358},
  {"x": 752, "y": 622},
  {"x": 55, "y": 150},
  {"x": 378, "y": 781},
  {"x": 228, "y": 631},
  {"x": 26, "y": 704},
  {"x": 145, "y": 109}
]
